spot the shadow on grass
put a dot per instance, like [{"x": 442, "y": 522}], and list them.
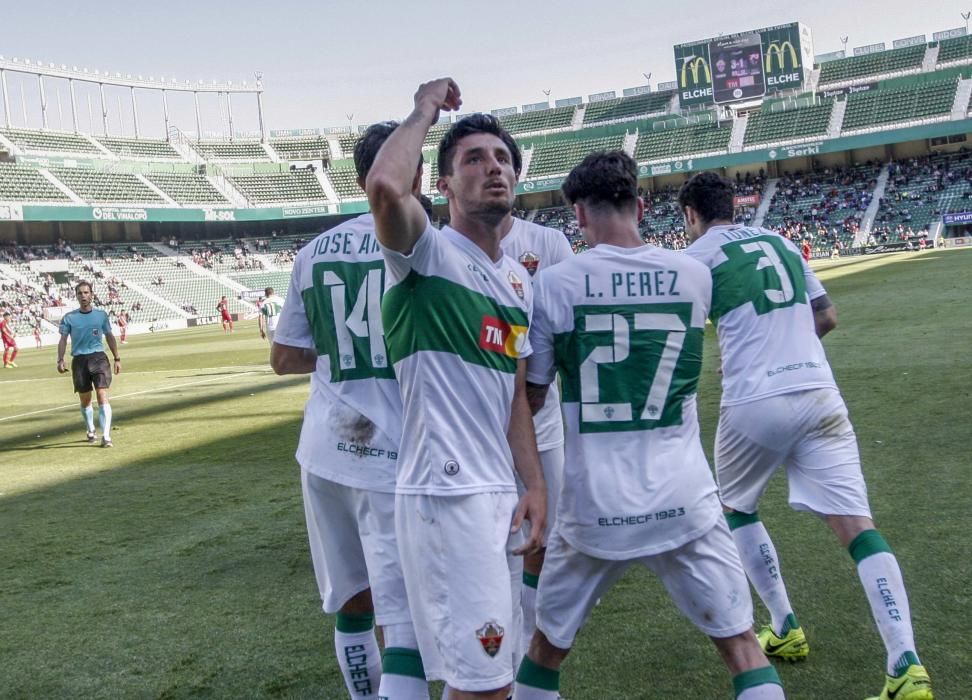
[
  {"x": 166, "y": 402},
  {"x": 179, "y": 575}
]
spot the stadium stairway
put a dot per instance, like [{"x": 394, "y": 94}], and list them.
[
  {"x": 960, "y": 107},
  {"x": 769, "y": 191},
  {"x": 329, "y": 191},
  {"x": 930, "y": 61},
  {"x": 145, "y": 181},
  {"x": 836, "y": 119},
  {"x": 60, "y": 185},
  {"x": 136, "y": 287},
  {"x": 222, "y": 279},
  {"x": 527, "y": 157},
  {"x": 630, "y": 141},
  {"x": 225, "y": 188},
  {"x": 337, "y": 153},
  {"x": 8, "y": 146},
  {"x": 578, "y": 121},
  {"x": 739, "y": 125},
  {"x": 870, "y": 214},
  {"x": 105, "y": 153},
  {"x": 183, "y": 146}
]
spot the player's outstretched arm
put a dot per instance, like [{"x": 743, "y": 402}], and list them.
[
  {"x": 399, "y": 216},
  {"x": 526, "y": 460},
  {"x": 288, "y": 359}
]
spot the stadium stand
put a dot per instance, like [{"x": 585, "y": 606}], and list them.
[
  {"x": 50, "y": 141},
  {"x": 347, "y": 142},
  {"x": 541, "y": 120},
  {"x": 920, "y": 190},
  {"x": 140, "y": 148},
  {"x": 435, "y": 135},
  {"x": 823, "y": 206},
  {"x": 280, "y": 281},
  {"x": 870, "y": 110},
  {"x": 231, "y": 150},
  {"x": 957, "y": 50},
  {"x": 302, "y": 148},
  {"x": 624, "y": 108},
  {"x": 881, "y": 63},
  {"x": 19, "y": 183},
  {"x": 345, "y": 181},
  {"x": 187, "y": 188},
  {"x": 558, "y": 157},
  {"x": 765, "y": 127},
  {"x": 287, "y": 186},
  {"x": 682, "y": 141},
  {"x": 106, "y": 187}
]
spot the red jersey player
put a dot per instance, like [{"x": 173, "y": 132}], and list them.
[
  {"x": 9, "y": 342},
  {"x": 37, "y": 336},
  {"x": 806, "y": 250},
  {"x": 122, "y": 321},
  {"x": 223, "y": 308}
]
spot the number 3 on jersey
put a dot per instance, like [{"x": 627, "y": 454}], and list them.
[
  {"x": 779, "y": 283},
  {"x": 344, "y": 310},
  {"x": 630, "y": 367}
]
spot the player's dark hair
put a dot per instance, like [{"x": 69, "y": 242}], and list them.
[
  {"x": 709, "y": 194},
  {"x": 603, "y": 179},
  {"x": 83, "y": 283},
  {"x": 268, "y": 291},
  {"x": 426, "y": 204},
  {"x": 476, "y": 124}
]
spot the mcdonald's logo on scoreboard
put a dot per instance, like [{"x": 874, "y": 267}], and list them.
[{"x": 787, "y": 53}]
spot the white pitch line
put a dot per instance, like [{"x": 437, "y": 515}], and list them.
[{"x": 134, "y": 393}]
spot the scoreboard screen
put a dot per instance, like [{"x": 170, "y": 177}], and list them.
[{"x": 737, "y": 67}]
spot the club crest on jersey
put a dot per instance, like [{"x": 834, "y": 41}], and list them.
[
  {"x": 516, "y": 283},
  {"x": 496, "y": 335},
  {"x": 531, "y": 261},
  {"x": 491, "y": 637}
]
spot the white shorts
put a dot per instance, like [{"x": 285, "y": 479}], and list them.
[
  {"x": 810, "y": 434},
  {"x": 353, "y": 548},
  {"x": 552, "y": 461},
  {"x": 457, "y": 558},
  {"x": 704, "y": 578}
]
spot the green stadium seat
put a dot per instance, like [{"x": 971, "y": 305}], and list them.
[
  {"x": 286, "y": 186},
  {"x": 559, "y": 157},
  {"x": 682, "y": 141},
  {"x": 957, "y": 50},
  {"x": 874, "y": 64},
  {"x": 153, "y": 149},
  {"x": 766, "y": 127},
  {"x": 232, "y": 150},
  {"x": 99, "y": 186},
  {"x": 877, "y": 107},
  {"x": 345, "y": 182},
  {"x": 19, "y": 183},
  {"x": 187, "y": 188},
  {"x": 541, "y": 120},
  {"x": 302, "y": 148},
  {"x": 51, "y": 141},
  {"x": 625, "y": 108}
]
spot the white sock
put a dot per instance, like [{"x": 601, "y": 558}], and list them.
[
  {"x": 360, "y": 662},
  {"x": 527, "y": 692},
  {"x": 767, "y": 691},
  {"x": 758, "y": 684},
  {"x": 104, "y": 418},
  {"x": 760, "y": 561},
  {"x": 87, "y": 412},
  {"x": 884, "y": 586}
]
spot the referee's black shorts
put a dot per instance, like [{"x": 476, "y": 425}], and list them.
[{"x": 90, "y": 369}]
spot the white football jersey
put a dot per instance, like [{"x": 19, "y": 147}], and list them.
[
  {"x": 538, "y": 247},
  {"x": 456, "y": 324},
  {"x": 624, "y": 328},
  {"x": 352, "y": 420},
  {"x": 761, "y": 293}
]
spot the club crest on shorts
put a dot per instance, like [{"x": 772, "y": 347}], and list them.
[
  {"x": 531, "y": 261},
  {"x": 491, "y": 637},
  {"x": 516, "y": 283}
]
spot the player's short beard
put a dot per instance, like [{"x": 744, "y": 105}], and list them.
[{"x": 492, "y": 213}]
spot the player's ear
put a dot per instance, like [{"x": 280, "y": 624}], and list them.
[
  {"x": 442, "y": 184},
  {"x": 580, "y": 211},
  {"x": 641, "y": 209}
]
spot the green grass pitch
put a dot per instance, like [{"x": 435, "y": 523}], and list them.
[{"x": 176, "y": 566}]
